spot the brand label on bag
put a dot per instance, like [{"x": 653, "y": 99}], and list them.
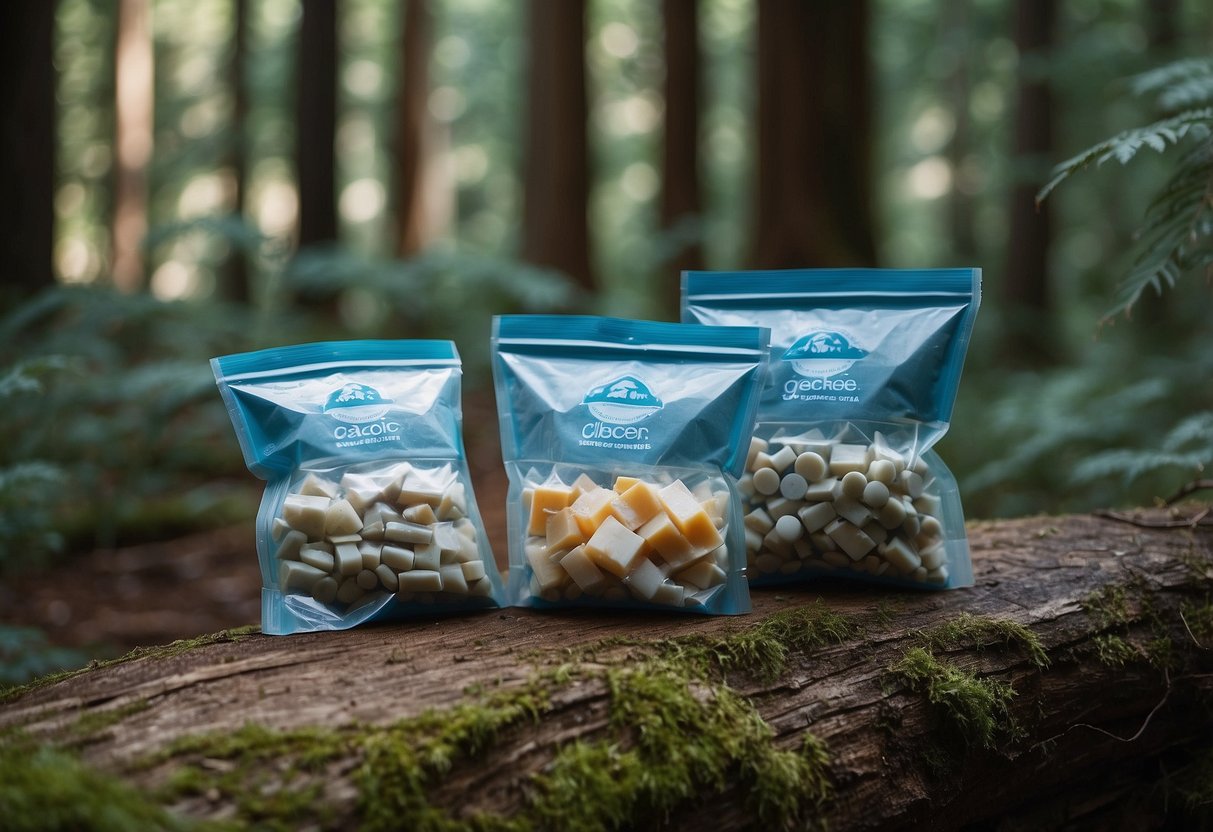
[
  {"x": 362, "y": 408},
  {"x": 822, "y": 358},
  {"x": 617, "y": 406}
]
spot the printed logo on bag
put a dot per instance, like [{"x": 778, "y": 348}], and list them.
[
  {"x": 819, "y": 357},
  {"x": 362, "y": 408},
  {"x": 617, "y": 406}
]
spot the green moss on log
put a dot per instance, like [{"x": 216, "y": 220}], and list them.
[
  {"x": 977, "y": 707},
  {"x": 981, "y": 631}
]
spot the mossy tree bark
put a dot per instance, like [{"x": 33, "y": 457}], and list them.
[{"x": 1070, "y": 687}]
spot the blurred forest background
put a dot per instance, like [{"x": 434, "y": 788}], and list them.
[{"x": 189, "y": 178}]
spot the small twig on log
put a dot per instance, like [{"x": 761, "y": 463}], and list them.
[
  {"x": 1179, "y": 523},
  {"x": 1195, "y": 640},
  {"x": 1195, "y": 485},
  {"x": 1144, "y": 725}
]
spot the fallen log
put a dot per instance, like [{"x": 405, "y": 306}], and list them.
[{"x": 1071, "y": 687}]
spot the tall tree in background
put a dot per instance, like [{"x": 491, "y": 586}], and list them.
[
  {"x": 680, "y": 195},
  {"x": 556, "y": 166},
  {"x": 956, "y": 21},
  {"x": 814, "y": 200},
  {"x": 1025, "y": 285},
  {"x": 238, "y": 287},
  {"x": 316, "y": 122},
  {"x": 27, "y": 143},
  {"x": 134, "y": 93},
  {"x": 411, "y": 126}
]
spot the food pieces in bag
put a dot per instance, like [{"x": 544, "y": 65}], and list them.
[
  {"x": 368, "y": 512},
  {"x": 623, "y": 441},
  {"x": 841, "y": 476}
]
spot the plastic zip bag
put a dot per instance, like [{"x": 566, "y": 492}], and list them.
[
  {"x": 623, "y": 441},
  {"x": 368, "y": 510},
  {"x": 841, "y": 477}
]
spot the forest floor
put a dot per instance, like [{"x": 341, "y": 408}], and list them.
[{"x": 108, "y": 601}]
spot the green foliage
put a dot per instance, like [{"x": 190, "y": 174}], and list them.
[
  {"x": 977, "y": 707},
  {"x": 47, "y": 790},
  {"x": 1114, "y": 651},
  {"x": 968, "y": 630},
  {"x": 25, "y": 653},
  {"x": 1177, "y": 235}
]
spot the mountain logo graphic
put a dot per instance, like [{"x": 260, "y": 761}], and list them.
[
  {"x": 622, "y": 401},
  {"x": 353, "y": 402},
  {"x": 823, "y": 353}
]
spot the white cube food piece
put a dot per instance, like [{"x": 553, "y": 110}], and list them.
[
  {"x": 372, "y": 530},
  {"x": 291, "y": 543},
  {"x": 803, "y": 548},
  {"x": 344, "y": 538},
  {"x": 759, "y": 521},
  {"x": 753, "y": 540},
  {"x": 850, "y": 539},
  {"x": 910, "y": 484},
  {"x": 892, "y": 514},
  {"x": 615, "y": 548},
  {"x": 399, "y": 558},
  {"x": 453, "y": 579},
  {"x": 317, "y": 486},
  {"x": 466, "y": 528},
  {"x": 422, "y": 514},
  {"x": 934, "y": 557},
  {"x": 371, "y": 554},
  {"x": 547, "y": 574},
  {"x": 341, "y": 519},
  {"x": 318, "y": 558},
  {"x": 877, "y": 532},
  {"x": 348, "y": 560},
  {"x": 387, "y": 577},
  {"x": 421, "y": 580},
  {"x": 901, "y": 555},
  {"x": 427, "y": 557},
  {"x": 782, "y": 506},
  {"x": 853, "y": 484},
  {"x": 821, "y": 490},
  {"x": 279, "y": 528},
  {"x": 325, "y": 590},
  {"x": 938, "y": 575},
  {"x": 875, "y": 494},
  {"x": 481, "y": 588},
  {"x": 757, "y": 446},
  {"x": 883, "y": 471},
  {"x": 413, "y": 493},
  {"x": 783, "y": 459},
  {"x": 453, "y": 504},
  {"x": 582, "y": 569},
  {"x": 468, "y": 550},
  {"x": 668, "y": 594},
  {"x": 295, "y": 575},
  {"x": 815, "y": 516},
  {"x": 702, "y": 575},
  {"x": 852, "y": 510},
  {"x": 847, "y": 458},
  {"x": 306, "y": 513},
  {"x": 403, "y": 532},
  {"x": 927, "y": 504},
  {"x": 775, "y": 542},
  {"x": 473, "y": 570},
  {"x": 644, "y": 579},
  {"x": 367, "y": 580},
  {"x": 449, "y": 541}
]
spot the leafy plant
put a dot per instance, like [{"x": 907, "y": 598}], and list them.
[{"x": 1176, "y": 237}]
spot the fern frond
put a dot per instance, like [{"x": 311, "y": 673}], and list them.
[
  {"x": 1180, "y": 85},
  {"x": 1124, "y": 146},
  {"x": 1197, "y": 428},
  {"x": 1131, "y": 464},
  {"x": 25, "y": 378}
]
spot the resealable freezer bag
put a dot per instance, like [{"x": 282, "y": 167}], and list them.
[
  {"x": 368, "y": 512},
  {"x": 623, "y": 441},
  {"x": 840, "y": 476}
]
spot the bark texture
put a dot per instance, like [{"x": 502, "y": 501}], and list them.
[{"x": 1097, "y": 737}]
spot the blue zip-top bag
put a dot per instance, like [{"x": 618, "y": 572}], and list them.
[
  {"x": 368, "y": 512},
  {"x": 841, "y": 477},
  {"x": 623, "y": 441}
]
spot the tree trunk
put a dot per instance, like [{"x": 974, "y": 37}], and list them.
[
  {"x": 555, "y": 231},
  {"x": 1094, "y": 630},
  {"x": 237, "y": 277},
  {"x": 316, "y": 122},
  {"x": 27, "y": 144},
  {"x": 134, "y": 93},
  {"x": 412, "y": 122},
  {"x": 681, "y": 203},
  {"x": 956, "y": 27},
  {"x": 1025, "y": 285},
  {"x": 814, "y": 199}
]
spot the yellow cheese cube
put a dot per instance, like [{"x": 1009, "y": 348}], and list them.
[
  {"x": 690, "y": 518},
  {"x": 545, "y": 500},
  {"x": 563, "y": 530},
  {"x": 622, "y": 484},
  {"x": 591, "y": 508},
  {"x": 615, "y": 548},
  {"x": 663, "y": 536},
  {"x": 636, "y": 506}
]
